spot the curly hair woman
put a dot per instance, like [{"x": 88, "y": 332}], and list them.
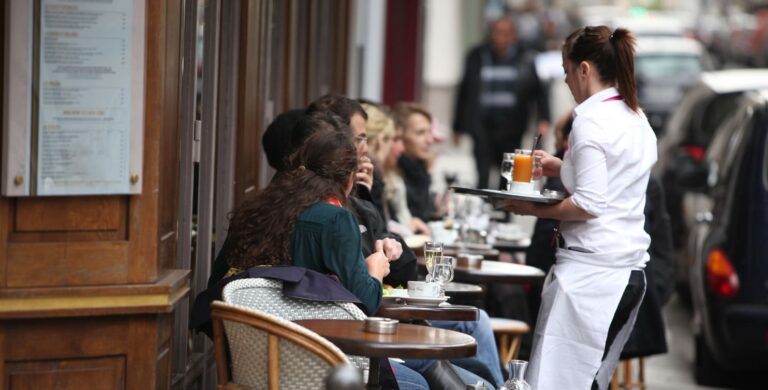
[{"x": 301, "y": 219}]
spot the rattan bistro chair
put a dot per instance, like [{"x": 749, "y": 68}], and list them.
[
  {"x": 267, "y": 295},
  {"x": 267, "y": 352}
]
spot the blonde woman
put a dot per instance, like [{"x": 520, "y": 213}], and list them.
[{"x": 385, "y": 143}]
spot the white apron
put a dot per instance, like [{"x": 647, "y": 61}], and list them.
[{"x": 578, "y": 303}]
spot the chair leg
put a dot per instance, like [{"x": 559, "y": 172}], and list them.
[
  {"x": 514, "y": 347},
  {"x": 503, "y": 347},
  {"x": 629, "y": 380}
]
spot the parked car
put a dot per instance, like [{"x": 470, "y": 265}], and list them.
[
  {"x": 684, "y": 143},
  {"x": 729, "y": 272},
  {"x": 665, "y": 67}
]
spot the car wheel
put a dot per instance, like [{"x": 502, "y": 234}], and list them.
[{"x": 706, "y": 370}]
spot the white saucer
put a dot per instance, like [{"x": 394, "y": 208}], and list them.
[{"x": 425, "y": 301}]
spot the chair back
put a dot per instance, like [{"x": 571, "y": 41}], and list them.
[
  {"x": 267, "y": 352},
  {"x": 267, "y": 295}
]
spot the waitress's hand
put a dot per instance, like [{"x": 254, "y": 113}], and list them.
[
  {"x": 518, "y": 207},
  {"x": 378, "y": 265},
  {"x": 550, "y": 164}
]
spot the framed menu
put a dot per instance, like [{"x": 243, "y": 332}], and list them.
[{"x": 81, "y": 130}]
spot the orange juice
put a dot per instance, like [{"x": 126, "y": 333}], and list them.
[{"x": 523, "y": 168}]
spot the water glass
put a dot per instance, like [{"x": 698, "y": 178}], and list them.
[
  {"x": 507, "y": 165},
  {"x": 442, "y": 272}
]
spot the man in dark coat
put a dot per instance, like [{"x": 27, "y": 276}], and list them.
[{"x": 498, "y": 91}]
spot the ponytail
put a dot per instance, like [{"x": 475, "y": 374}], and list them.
[
  {"x": 623, "y": 43},
  {"x": 612, "y": 53}
]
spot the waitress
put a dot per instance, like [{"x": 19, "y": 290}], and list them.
[{"x": 591, "y": 295}]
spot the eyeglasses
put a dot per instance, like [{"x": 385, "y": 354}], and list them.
[{"x": 361, "y": 139}]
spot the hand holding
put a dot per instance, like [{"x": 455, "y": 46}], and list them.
[
  {"x": 364, "y": 174},
  {"x": 550, "y": 164},
  {"x": 391, "y": 248},
  {"x": 378, "y": 265}
]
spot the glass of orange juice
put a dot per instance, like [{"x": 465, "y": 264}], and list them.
[{"x": 523, "y": 171}]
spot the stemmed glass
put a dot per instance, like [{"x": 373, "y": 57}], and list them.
[
  {"x": 432, "y": 250},
  {"x": 442, "y": 271},
  {"x": 507, "y": 163}
]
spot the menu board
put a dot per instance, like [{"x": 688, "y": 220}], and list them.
[{"x": 85, "y": 94}]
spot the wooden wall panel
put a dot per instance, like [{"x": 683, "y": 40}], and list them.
[
  {"x": 112, "y": 352},
  {"x": 254, "y": 25},
  {"x": 66, "y": 264},
  {"x": 106, "y": 373},
  {"x": 168, "y": 183},
  {"x": 72, "y": 214}
]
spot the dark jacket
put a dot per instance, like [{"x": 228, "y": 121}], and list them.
[
  {"x": 372, "y": 228},
  {"x": 647, "y": 337},
  {"x": 417, "y": 183},
  {"x": 529, "y": 90}
]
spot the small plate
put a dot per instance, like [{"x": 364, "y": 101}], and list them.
[{"x": 425, "y": 301}]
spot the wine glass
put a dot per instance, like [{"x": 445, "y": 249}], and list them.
[
  {"x": 442, "y": 271},
  {"x": 507, "y": 164},
  {"x": 432, "y": 249}
]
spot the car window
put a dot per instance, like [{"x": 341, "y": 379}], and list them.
[
  {"x": 665, "y": 66},
  {"x": 687, "y": 115},
  {"x": 733, "y": 143},
  {"x": 712, "y": 116},
  {"x": 727, "y": 137}
]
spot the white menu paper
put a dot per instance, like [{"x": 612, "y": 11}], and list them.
[{"x": 84, "y": 107}]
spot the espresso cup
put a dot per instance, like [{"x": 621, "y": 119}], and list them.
[{"x": 420, "y": 289}]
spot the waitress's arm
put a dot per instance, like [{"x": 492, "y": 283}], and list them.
[{"x": 563, "y": 211}]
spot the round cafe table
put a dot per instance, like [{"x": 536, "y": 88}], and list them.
[
  {"x": 408, "y": 342},
  {"x": 499, "y": 272},
  {"x": 403, "y": 312},
  {"x": 463, "y": 290}
]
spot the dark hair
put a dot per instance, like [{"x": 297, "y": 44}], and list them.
[
  {"x": 260, "y": 229},
  {"x": 312, "y": 123},
  {"x": 403, "y": 110},
  {"x": 276, "y": 140},
  {"x": 611, "y": 52},
  {"x": 339, "y": 105}
]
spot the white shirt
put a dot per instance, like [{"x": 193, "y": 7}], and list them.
[{"x": 611, "y": 150}]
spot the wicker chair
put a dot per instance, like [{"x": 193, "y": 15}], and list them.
[
  {"x": 268, "y": 352},
  {"x": 267, "y": 295}
]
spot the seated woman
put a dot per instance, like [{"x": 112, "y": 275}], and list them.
[{"x": 300, "y": 219}]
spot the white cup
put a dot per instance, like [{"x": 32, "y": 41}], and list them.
[{"x": 420, "y": 289}]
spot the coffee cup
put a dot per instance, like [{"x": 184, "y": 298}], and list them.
[{"x": 420, "y": 289}]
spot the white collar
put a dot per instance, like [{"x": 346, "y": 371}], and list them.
[{"x": 595, "y": 99}]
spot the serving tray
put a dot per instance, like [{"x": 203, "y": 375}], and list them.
[{"x": 551, "y": 197}]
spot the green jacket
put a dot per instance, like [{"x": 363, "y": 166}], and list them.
[{"x": 326, "y": 239}]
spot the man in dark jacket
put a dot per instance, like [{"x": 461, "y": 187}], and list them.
[{"x": 496, "y": 95}]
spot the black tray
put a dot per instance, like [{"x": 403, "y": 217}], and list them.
[{"x": 531, "y": 197}]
